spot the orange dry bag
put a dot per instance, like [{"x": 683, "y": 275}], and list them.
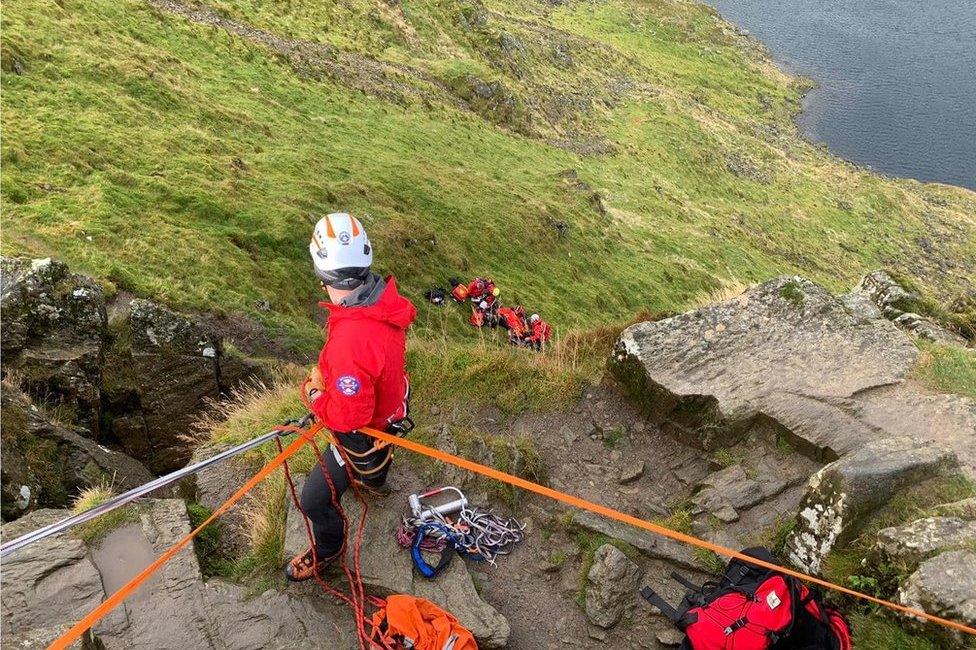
[{"x": 409, "y": 622}]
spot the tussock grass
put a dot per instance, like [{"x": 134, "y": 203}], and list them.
[
  {"x": 947, "y": 368},
  {"x": 91, "y": 497}
]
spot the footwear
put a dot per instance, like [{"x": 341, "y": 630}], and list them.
[
  {"x": 303, "y": 567},
  {"x": 378, "y": 491}
]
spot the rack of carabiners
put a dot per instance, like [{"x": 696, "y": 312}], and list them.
[{"x": 473, "y": 532}]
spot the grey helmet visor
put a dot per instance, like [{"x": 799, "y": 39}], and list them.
[{"x": 350, "y": 277}]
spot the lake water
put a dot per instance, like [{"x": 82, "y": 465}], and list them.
[{"x": 897, "y": 78}]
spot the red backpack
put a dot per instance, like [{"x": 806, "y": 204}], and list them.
[{"x": 751, "y": 608}]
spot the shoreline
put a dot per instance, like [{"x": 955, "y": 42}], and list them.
[{"x": 809, "y": 86}]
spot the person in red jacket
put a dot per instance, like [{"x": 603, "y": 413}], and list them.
[
  {"x": 540, "y": 332},
  {"x": 360, "y": 380},
  {"x": 483, "y": 294}
]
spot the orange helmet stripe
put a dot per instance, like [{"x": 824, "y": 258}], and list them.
[
  {"x": 355, "y": 228},
  {"x": 330, "y": 233}
]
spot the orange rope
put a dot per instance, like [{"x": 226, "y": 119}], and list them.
[
  {"x": 88, "y": 621},
  {"x": 610, "y": 513},
  {"x": 113, "y": 601}
]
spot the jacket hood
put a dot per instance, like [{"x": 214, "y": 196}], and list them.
[{"x": 390, "y": 308}]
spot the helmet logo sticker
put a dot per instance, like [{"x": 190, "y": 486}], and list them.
[
  {"x": 348, "y": 385},
  {"x": 344, "y": 238}
]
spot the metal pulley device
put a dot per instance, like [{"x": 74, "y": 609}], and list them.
[{"x": 425, "y": 511}]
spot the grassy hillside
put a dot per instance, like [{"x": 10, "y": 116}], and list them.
[{"x": 595, "y": 158}]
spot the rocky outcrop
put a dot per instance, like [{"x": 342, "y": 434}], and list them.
[
  {"x": 914, "y": 542},
  {"x": 46, "y": 463},
  {"x": 786, "y": 354},
  {"x": 843, "y": 494},
  {"x": 53, "y": 325},
  {"x": 387, "y": 568},
  {"x": 62, "y": 578},
  {"x": 945, "y": 586},
  {"x": 879, "y": 291},
  {"x": 126, "y": 372},
  {"x": 790, "y": 360},
  {"x": 611, "y": 586}
]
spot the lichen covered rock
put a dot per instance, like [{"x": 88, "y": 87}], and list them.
[
  {"x": 922, "y": 538},
  {"x": 611, "y": 586},
  {"x": 945, "y": 586},
  {"x": 842, "y": 495}
]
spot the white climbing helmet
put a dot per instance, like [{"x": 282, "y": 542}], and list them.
[
  {"x": 341, "y": 252},
  {"x": 533, "y": 318}
]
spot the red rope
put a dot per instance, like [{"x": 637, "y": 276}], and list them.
[{"x": 356, "y": 599}]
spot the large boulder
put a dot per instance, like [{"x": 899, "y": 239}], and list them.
[
  {"x": 387, "y": 568},
  {"x": 789, "y": 360},
  {"x": 912, "y": 543},
  {"x": 945, "y": 586},
  {"x": 611, "y": 586},
  {"x": 46, "y": 463},
  {"x": 53, "y": 325},
  {"x": 786, "y": 354},
  {"x": 842, "y": 495}
]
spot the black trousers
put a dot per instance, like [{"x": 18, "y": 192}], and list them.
[{"x": 317, "y": 498}]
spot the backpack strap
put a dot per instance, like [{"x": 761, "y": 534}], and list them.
[
  {"x": 684, "y": 582},
  {"x": 655, "y": 599}
]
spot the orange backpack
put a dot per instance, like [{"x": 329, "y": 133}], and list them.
[{"x": 409, "y": 622}]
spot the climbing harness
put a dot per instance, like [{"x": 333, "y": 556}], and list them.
[
  {"x": 113, "y": 601},
  {"x": 143, "y": 490},
  {"x": 475, "y": 533}
]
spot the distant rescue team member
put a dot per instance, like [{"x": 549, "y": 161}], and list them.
[
  {"x": 540, "y": 332},
  {"x": 360, "y": 379}
]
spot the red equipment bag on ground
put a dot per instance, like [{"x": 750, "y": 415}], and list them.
[
  {"x": 409, "y": 622},
  {"x": 752, "y": 608}
]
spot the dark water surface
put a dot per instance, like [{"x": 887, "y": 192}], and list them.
[{"x": 897, "y": 78}]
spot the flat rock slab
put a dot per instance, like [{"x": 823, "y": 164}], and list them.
[
  {"x": 47, "y": 583},
  {"x": 653, "y": 546},
  {"x": 786, "y": 350}
]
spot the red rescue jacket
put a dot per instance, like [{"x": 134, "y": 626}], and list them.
[
  {"x": 363, "y": 363},
  {"x": 541, "y": 331}
]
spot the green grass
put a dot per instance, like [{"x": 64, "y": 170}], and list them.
[
  {"x": 181, "y": 162},
  {"x": 206, "y": 545},
  {"x": 876, "y": 631},
  {"x": 92, "y": 531},
  {"x": 948, "y": 369},
  {"x": 791, "y": 293}
]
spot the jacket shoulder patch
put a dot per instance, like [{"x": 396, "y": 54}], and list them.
[{"x": 348, "y": 385}]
